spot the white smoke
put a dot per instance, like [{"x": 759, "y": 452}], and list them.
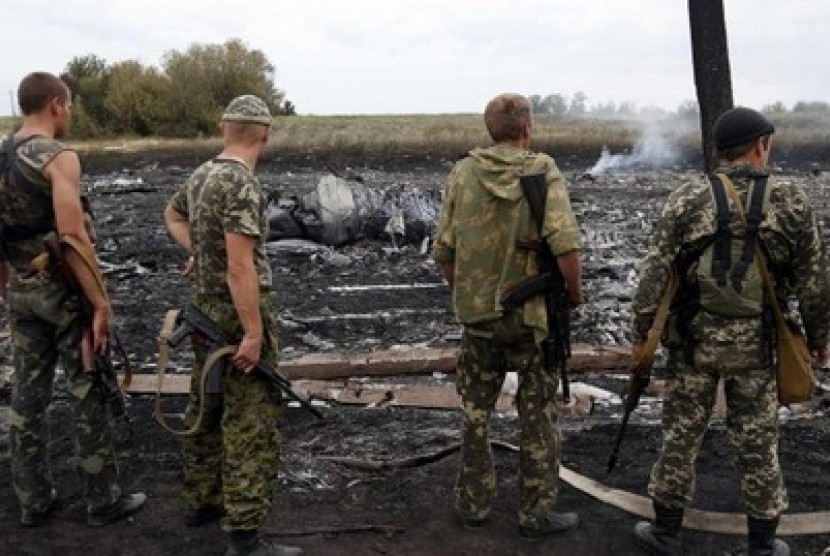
[{"x": 656, "y": 147}]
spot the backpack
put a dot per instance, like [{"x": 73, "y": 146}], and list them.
[{"x": 728, "y": 277}]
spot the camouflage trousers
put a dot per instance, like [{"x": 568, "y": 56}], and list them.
[
  {"x": 46, "y": 325},
  {"x": 752, "y": 426},
  {"x": 488, "y": 351},
  {"x": 232, "y": 461}
]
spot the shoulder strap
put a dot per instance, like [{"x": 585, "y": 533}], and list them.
[
  {"x": 766, "y": 277},
  {"x": 535, "y": 189},
  {"x": 754, "y": 217},
  {"x": 722, "y": 249}
]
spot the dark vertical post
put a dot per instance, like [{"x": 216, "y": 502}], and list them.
[{"x": 713, "y": 80}]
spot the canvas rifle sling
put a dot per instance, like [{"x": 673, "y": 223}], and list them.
[{"x": 167, "y": 327}]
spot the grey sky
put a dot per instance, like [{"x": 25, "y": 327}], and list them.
[{"x": 432, "y": 56}]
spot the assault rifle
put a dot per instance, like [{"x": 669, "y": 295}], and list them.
[
  {"x": 193, "y": 321},
  {"x": 641, "y": 363},
  {"x": 100, "y": 366},
  {"x": 637, "y": 384},
  {"x": 556, "y": 347},
  {"x": 106, "y": 378}
]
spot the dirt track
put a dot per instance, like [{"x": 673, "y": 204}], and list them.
[{"x": 404, "y": 511}]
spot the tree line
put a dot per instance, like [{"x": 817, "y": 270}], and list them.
[
  {"x": 576, "y": 106},
  {"x": 185, "y": 97}
]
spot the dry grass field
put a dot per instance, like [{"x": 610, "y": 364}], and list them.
[{"x": 442, "y": 136}]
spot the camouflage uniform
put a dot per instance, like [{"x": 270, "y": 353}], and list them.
[
  {"x": 46, "y": 323},
  {"x": 232, "y": 461},
  {"x": 735, "y": 349},
  {"x": 483, "y": 214}
]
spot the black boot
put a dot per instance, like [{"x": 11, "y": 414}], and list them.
[
  {"x": 762, "y": 541},
  {"x": 663, "y": 535},
  {"x": 125, "y": 506}
]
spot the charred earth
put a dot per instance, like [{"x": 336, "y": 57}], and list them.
[{"x": 375, "y": 289}]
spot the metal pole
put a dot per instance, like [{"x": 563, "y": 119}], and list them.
[{"x": 713, "y": 79}]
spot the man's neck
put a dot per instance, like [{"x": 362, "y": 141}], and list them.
[
  {"x": 34, "y": 125},
  {"x": 516, "y": 144},
  {"x": 246, "y": 156}
]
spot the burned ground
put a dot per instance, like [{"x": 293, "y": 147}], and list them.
[{"x": 328, "y": 507}]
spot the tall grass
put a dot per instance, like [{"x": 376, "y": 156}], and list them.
[
  {"x": 425, "y": 136},
  {"x": 443, "y": 136}
]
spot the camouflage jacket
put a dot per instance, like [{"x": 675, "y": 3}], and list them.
[
  {"x": 222, "y": 196},
  {"x": 792, "y": 239},
  {"x": 21, "y": 208},
  {"x": 484, "y": 212}
]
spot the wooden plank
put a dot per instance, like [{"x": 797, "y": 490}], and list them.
[
  {"x": 146, "y": 384},
  {"x": 410, "y": 360},
  {"x": 425, "y": 360},
  {"x": 440, "y": 396}
]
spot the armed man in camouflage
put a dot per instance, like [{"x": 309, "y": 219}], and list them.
[
  {"x": 706, "y": 339},
  {"x": 40, "y": 201},
  {"x": 230, "y": 465},
  {"x": 483, "y": 215}
]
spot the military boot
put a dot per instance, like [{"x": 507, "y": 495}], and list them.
[
  {"x": 202, "y": 516},
  {"x": 249, "y": 543},
  {"x": 552, "y": 524},
  {"x": 761, "y": 537},
  {"x": 31, "y": 517},
  {"x": 125, "y": 506},
  {"x": 663, "y": 535}
]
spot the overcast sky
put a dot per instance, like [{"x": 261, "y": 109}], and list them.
[{"x": 436, "y": 56}]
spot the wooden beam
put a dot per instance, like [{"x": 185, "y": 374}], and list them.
[
  {"x": 410, "y": 360},
  {"x": 425, "y": 360}
]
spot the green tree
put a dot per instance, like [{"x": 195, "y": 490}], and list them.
[
  {"x": 811, "y": 107},
  {"x": 776, "y": 108},
  {"x": 555, "y": 105},
  {"x": 578, "y": 106},
  {"x": 137, "y": 98},
  {"x": 88, "y": 79},
  {"x": 206, "y": 77},
  {"x": 288, "y": 108},
  {"x": 536, "y": 104},
  {"x": 688, "y": 110}
]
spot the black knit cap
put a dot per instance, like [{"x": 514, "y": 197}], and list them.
[{"x": 740, "y": 125}]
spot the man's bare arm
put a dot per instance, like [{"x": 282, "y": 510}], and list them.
[
  {"x": 571, "y": 266},
  {"x": 243, "y": 283},
  {"x": 64, "y": 173},
  {"x": 179, "y": 228}
]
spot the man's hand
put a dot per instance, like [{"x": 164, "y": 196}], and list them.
[
  {"x": 248, "y": 353},
  {"x": 100, "y": 330},
  {"x": 189, "y": 271}
]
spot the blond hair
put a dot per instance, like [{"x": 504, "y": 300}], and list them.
[{"x": 506, "y": 116}]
